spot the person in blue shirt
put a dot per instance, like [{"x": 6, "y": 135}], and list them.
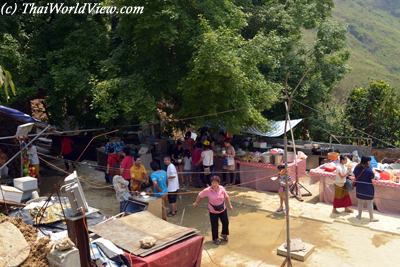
[
  {"x": 365, "y": 190},
  {"x": 159, "y": 178}
]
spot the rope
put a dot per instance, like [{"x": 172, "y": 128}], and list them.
[
  {"x": 103, "y": 168},
  {"x": 99, "y": 186},
  {"x": 91, "y": 140}
]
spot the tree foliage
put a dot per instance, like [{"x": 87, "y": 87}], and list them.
[
  {"x": 375, "y": 110},
  {"x": 6, "y": 82},
  {"x": 186, "y": 58}
]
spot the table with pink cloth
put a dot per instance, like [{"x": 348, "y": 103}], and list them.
[
  {"x": 185, "y": 253},
  {"x": 258, "y": 175},
  {"x": 387, "y": 193}
]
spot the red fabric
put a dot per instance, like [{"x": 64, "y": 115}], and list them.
[
  {"x": 329, "y": 167},
  {"x": 66, "y": 146},
  {"x": 126, "y": 165},
  {"x": 189, "y": 144},
  {"x": 342, "y": 203},
  {"x": 196, "y": 155},
  {"x": 186, "y": 253},
  {"x": 112, "y": 159},
  {"x": 385, "y": 176}
]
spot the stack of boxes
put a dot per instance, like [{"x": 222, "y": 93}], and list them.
[{"x": 22, "y": 190}]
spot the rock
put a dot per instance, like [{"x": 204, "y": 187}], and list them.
[
  {"x": 63, "y": 244},
  {"x": 147, "y": 242},
  {"x": 13, "y": 247}
]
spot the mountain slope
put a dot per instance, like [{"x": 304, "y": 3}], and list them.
[{"x": 373, "y": 40}]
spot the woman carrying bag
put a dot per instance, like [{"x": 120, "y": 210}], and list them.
[
  {"x": 342, "y": 197},
  {"x": 217, "y": 200}
]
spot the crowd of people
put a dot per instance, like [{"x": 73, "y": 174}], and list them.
[{"x": 188, "y": 161}]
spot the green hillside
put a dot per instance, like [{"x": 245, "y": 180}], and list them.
[{"x": 373, "y": 39}]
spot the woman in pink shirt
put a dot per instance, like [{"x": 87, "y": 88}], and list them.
[{"x": 217, "y": 197}]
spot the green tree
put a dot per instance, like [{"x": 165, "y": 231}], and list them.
[
  {"x": 224, "y": 76},
  {"x": 321, "y": 62},
  {"x": 184, "y": 58},
  {"x": 375, "y": 110},
  {"x": 6, "y": 82},
  {"x": 191, "y": 60}
]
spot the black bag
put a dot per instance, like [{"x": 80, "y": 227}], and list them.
[{"x": 219, "y": 207}]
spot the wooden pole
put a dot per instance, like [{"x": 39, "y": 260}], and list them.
[
  {"x": 288, "y": 260},
  {"x": 78, "y": 234}
]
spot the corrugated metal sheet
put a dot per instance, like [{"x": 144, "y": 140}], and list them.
[{"x": 277, "y": 129}]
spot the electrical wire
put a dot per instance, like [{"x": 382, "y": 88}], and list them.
[{"x": 354, "y": 128}]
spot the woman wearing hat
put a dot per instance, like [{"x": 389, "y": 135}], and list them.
[{"x": 207, "y": 161}]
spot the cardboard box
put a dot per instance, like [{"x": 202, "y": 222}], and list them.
[
  {"x": 11, "y": 194},
  {"x": 26, "y": 183}
]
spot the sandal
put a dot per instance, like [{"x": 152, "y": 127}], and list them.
[
  {"x": 279, "y": 210},
  {"x": 171, "y": 214},
  {"x": 217, "y": 242},
  {"x": 224, "y": 238}
]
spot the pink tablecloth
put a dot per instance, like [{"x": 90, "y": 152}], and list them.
[
  {"x": 258, "y": 175},
  {"x": 185, "y": 253},
  {"x": 387, "y": 194},
  {"x": 326, "y": 185}
]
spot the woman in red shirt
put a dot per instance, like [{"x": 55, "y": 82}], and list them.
[
  {"x": 126, "y": 164},
  {"x": 67, "y": 151},
  {"x": 196, "y": 168},
  {"x": 112, "y": 165}
]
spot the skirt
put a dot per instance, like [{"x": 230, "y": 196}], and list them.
[{"x": 342, "y": 197}]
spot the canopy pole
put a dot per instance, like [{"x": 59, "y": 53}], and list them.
[{"x": 288, "y": 260}]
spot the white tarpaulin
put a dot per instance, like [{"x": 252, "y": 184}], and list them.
[{"x": 277, "y": 128}]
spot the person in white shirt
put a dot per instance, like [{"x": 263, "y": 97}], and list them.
[
  {"x": 173, "y": 186},
  {"x": 187, "y": 168},
  {"x": 207, "y": 160},
  {"x": 121, "y": 187},
  {"x": 342, "y": 198},
  {"x": 34, "y": 159}
]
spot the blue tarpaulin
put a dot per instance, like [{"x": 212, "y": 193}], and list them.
[{"x": 16, "y": 115}]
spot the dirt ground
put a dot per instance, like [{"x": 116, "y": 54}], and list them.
[
  {"x": 38, "y": 248},
  {"x": 255, "y": 235}
]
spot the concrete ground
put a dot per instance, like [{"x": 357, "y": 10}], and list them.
[{"x": 256, "y": 231}]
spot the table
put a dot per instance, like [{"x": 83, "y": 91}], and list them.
[
  {"x": 185, "y": 253},
  {"x": 151, "y": 204},
  {"x": 257, "y": 175},
  {"x": 387, "y": 194}
]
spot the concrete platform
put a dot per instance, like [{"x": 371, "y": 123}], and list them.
[{"x": 297, "y": 255}]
